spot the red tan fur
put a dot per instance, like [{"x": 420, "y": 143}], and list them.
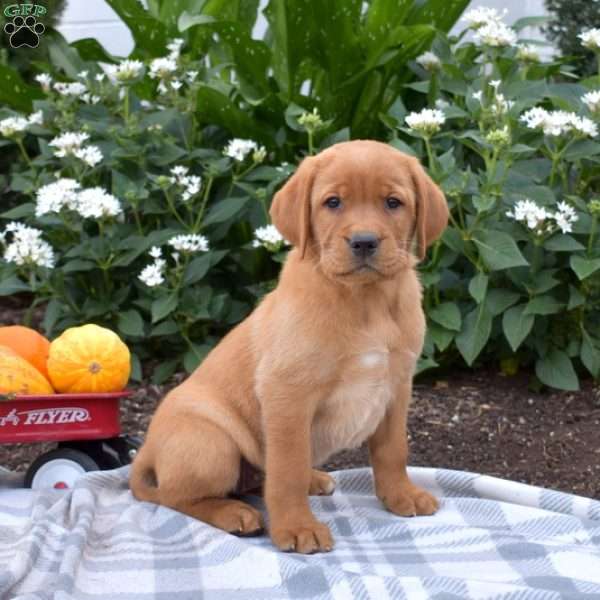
[{"x": 324, "y": 363}]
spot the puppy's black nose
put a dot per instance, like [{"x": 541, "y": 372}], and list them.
[{"x": 363, "y": 244}]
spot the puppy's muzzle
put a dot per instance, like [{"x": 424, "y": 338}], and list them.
[{"x": 363, "y": 244}]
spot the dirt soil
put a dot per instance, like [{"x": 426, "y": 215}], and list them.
[{"x": 478, "y": 421}]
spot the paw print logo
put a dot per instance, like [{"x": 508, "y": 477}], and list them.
[{"x": 24, "y": 32}]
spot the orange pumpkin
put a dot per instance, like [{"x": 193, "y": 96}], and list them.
[
  {"x": 20, "y": 377},
  {"x": 89, "y": 359},
  {"x": 28, "y": 344}
]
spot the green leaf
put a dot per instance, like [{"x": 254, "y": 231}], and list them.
[
  {"x": 19, "y": 212},
  {"x": 440, "y": 336},
  {"x": 555, "y": 369},
  {"x": 131, "y": 323},
  {"x": 523, "y": 22},
  {"x": 425, "y": 363},
  {"x": 90, "y": 49},
  {"x": 563, "y": 243},
  {"x": 446, "y": 314},
  {"x": 517, "y": 325},
  {"x": 498, "y": 250},
  {"x": 215, "y": 108},
  {"x": 590, "y": 354},
  {"x": 194, "y": 356},
  {"x": 168, "y": 327},
  {"x": 78, "y": 265},
  {"x": 576, "y": 298},
  {"x": 498, "y": 300},
  {"x": 478, "y": 287},
  {"x": 543, "y": 305},
  {"x": 149, "y": 34},
  {"x": 163, "y": 307},
  {"x": 200, "y": 266},
  {"x": 164, "y": 370},
  {"x": 51, "y": 316},
  {"x": 581, "y": 149},
  {"x": 584, "y": 267},
  {"x": 136, "y": 368},
  {"x": 475, "y": 333},
  {"x": 14, "y": 92},
  {"x": 225, "y": 210},
  {"x": 12, "y": 285}
]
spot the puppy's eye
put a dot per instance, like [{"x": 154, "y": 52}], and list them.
[
  {"x": 333, "y": 202},
  {"x": 393, "y": 203}
]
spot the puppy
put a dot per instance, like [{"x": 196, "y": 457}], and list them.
[{"x": 324, "y": 363}]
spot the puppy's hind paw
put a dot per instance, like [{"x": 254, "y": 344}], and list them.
[{"x": 321, "y": 484}]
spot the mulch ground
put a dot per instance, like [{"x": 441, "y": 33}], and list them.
[{"x": 478, "y": 421}]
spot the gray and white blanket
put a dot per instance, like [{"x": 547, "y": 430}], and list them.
[{"x": 491, "y": 539}]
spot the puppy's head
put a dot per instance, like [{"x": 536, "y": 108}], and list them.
[{"x": 356, "y": 209}]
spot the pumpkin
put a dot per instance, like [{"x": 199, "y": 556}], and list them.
[
  {"x": 89, "y": 359},
  {"x": 28, "y": 344},
  {"x": 20, "y": 377}
]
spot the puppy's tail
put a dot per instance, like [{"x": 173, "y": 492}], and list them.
[{"x": 142, "y": 479}]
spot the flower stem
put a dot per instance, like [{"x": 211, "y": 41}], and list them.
[
  {"x": 23, "y": 151},
  {"x": 126, "y": 104},
  {"x": 592, "y": 234},
  {"x": 198, "y": 224},
  {"x": 430, "y": 156},
  {"x": 174, "y": 210}
]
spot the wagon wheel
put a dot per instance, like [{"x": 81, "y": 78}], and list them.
[{"x": 58, "y": 469}]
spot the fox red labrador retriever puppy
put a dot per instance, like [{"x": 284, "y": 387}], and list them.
[{"x": 324, "y": 363}]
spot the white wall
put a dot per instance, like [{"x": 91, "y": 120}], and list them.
[{"x": 94, "y": 18}]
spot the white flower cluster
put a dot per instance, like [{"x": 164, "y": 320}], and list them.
[
  {"x": 239, "y": 149},
  {"x": 429, "y": 61},
  {"x": 592, "y": 101},
  {"x": 191, "y": 184},
  {"x": 45, "y": 80},
  {"x": 125, "y": 71},
  {"x": 499, "y": 105},
  {"x": 91, "y": 203},
  {"x": 52, "y": 198},
  {"x": 528, "y": 53},
  {"x": 165, "y": 69},
  {"x": 154, "y": 274},
  {"x": 558, "y": 122},
  {"x": 538, "y": 218},
  {"x": 15, "y": 125},
  {"x": 482, "y": 15},
  {"x": 161, "y": 68},
  {"x": 489, "y": 28},
  {"x": 26, "y": 246},
  {"x": 427, "y": 122},
  {"x": 74, "y": 89},
  {"x": 95, "y": 203},
  {"x": 189, "y": 243},
  {"x": 590, "y": 39},
  {"x": 268, "y": 237},
  {"x": 71, "y": 143}
]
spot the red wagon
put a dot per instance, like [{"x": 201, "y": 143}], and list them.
[{"x": 86, "y": 426}]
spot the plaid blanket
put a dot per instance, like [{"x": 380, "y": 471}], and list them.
[{"x": 491, "y": 539}]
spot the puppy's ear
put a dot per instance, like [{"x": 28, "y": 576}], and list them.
[
  {"x": 432, "y": 209},
  {"x": 290, "y": 209}
]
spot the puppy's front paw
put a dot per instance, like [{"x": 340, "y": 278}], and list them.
[
  {"x": 306, "y": 538},
  {"x": 409, "y": 501}
]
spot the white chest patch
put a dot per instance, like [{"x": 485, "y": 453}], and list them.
[{"x": 356, "y": 406}]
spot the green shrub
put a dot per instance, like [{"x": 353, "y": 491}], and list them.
[
  {"x": 114, "y": 170},
  {"x": 514, "y": 278}
]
